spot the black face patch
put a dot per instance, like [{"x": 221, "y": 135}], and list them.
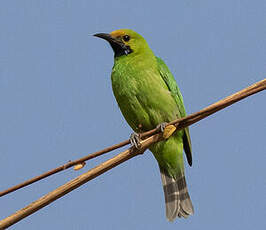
[
  {"x": 117, "y": 44},
  {"x": 125, "y": 51},
  {"x": 121, "y": 49}
]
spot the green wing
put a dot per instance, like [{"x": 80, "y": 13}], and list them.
[{"x": 173, "y": 88}]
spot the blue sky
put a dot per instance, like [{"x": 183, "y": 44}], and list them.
[{"x": 57, "y": 105}]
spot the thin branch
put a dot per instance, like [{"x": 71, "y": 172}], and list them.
[
  {"x": 255, "y": 88},
  {"x": 128, "y": 154},
  {"x": 63, "y": 167}
]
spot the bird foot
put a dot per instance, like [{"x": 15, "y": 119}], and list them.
[
  {"x": 161, "y": 127},
  {"x": 167, "y": 130},
  {"x": 135, "y": 140}
]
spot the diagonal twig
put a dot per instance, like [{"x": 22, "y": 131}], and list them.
[
  {"x": 255, "y": 88},
  {"x": 128, "y": 154}
]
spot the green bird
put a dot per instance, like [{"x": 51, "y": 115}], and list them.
[{"x": 147, "y": 95}]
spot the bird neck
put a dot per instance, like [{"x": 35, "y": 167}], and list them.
[{"x": 143, "y": 57}]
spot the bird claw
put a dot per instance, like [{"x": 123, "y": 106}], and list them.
[
  {"x": 135, "y": 140},
  {"x": 167, "y": 130},
  {"x": 161, "y": 127}
]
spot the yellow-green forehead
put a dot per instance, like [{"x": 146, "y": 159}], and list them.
[
  {"x": 122, "y": 32},
  {"x": 118, "y": 33}
]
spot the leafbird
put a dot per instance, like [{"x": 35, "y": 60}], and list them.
[{"x": 148, "y": 97}]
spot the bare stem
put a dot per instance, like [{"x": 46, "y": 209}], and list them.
[{"x": 123, "y": 156}]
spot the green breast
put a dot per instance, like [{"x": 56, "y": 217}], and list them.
[
  {"x": 145, "y": 101},
  {"x": 141, "y": 94}
]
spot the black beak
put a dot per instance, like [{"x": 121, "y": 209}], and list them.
[
  {"x": 116, "y": 43},
  {"x": 104, "y": 36}
]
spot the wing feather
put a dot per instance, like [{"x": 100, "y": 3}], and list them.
[{"x": 173, "y": 88}]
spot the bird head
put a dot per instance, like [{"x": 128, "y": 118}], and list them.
[{"x": 124, "y": 42}]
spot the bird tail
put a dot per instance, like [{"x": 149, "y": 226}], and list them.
[{"x": 177, "y": 200}]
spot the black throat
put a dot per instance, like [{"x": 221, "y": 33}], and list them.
[{"x": 120, "y": 50}]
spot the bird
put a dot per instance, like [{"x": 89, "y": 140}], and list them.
[{"x": 149, "y": 97}]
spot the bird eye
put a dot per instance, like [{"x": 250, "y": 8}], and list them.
[{"x": 126, "y": 38}]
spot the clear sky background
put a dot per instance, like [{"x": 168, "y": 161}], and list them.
[{"x": 57, "y": 105}]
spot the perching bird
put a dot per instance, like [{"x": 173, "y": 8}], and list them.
[{"x": 148, "y": 96}]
